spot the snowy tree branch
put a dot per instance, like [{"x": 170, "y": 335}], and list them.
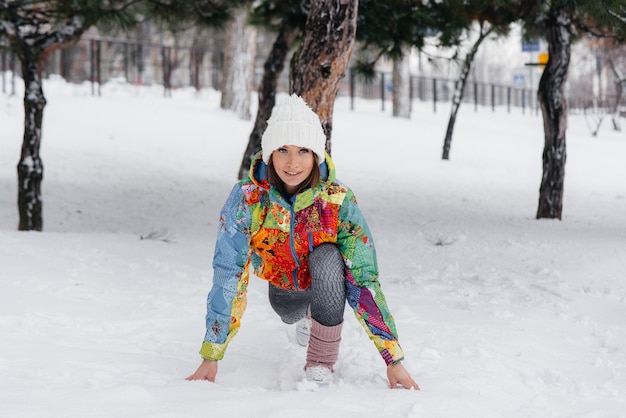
[{"x": 617, "y": 16}]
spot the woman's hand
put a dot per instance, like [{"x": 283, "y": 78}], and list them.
[
  {"x": 206, "y": 371},
  {"x": 398, "y": 376}
]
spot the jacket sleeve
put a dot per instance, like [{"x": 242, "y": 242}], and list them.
[
  {"x": 226, "y": 301},
  {"x": 364, "y": 294}
]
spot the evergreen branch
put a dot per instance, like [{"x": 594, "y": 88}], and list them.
[
  {"x": 617, "y": 16},
  {"x": 595, "y": 32}
]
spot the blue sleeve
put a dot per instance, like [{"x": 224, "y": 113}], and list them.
[{"x": 227, "y": 298}]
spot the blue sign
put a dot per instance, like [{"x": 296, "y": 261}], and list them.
[{"x": 530, "y": 45}]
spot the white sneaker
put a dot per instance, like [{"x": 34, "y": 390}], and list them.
[
  {"x": 320, "y": 375},
  {"x": 303, "y": 331}
]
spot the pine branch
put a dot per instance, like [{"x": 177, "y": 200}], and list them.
[{"x": 617, "y": 16}]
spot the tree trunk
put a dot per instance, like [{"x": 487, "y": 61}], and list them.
[
  {"x": 620, "y": 80},
  {"x": 272, "y": 69},
  {"x": 32, "y": 47},
  {"x": 459, "y": 89},
  {"x": 197, "y": 56},
  {"x": 171, "y": 62},
  {"x": 167, "y": 65},
  {"x": 551, "y": 97},
  {"x": 239, "y": 65},
  {"x": 619, "y": 90},
  {"x": 401, "y": 81},
  {"x": 320, "y": 63},
  {"x": 30, "y": 166}
]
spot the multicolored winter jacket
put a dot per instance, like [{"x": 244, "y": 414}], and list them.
[{"x": 259, "y": 226}]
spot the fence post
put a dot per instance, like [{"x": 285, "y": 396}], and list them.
[
  {"x": 536, "y": 104},
  {"x": 138, "y": 64},
  {"x": 95, "y": 66},
  {"x": 382, "y": 90},
  {"x": 483, "y": 98},
  {"x": 4, "y": 70},
  {"x": 420, "y": 88},
  {"x": 12, "y": 65},
  {"x": 92, "y": 66},
  {"x": 126, "y": 62},
  {"x": 493, "y": 98},
  {"x": 434, "y": 95},
  {"x": 99, "y": 66},
  {"x": 508, "y": 99},
  {"x": 163, "y": 71},
  {"x": 352, "y": 87},
  {"x": 475, "y": 96},
  {"x": 410, "y": 94},
  {"x": 166, "y": 52}
]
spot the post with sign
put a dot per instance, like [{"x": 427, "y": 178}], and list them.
[
  {"x": 543, "y": 60},
  {"x": 531, "y": 46}
]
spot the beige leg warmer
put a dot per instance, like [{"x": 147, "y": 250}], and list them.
[{"x": 323, "y": 347}]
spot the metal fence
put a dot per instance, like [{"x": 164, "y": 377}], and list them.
[
  {"x": 437, "y": 90},
  {"x": 99, "y": 59}
]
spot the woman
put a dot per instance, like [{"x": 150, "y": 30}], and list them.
[{"x": 303, "y": 232}]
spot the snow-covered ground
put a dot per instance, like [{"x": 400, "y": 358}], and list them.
[{"x": 500, "y": 314}]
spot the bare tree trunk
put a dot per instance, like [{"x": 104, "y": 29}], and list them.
[
  {"x": 551, "y": 96},
  {"x": 30, "y": 166},
  {"x": 459, "y": 89},
  {"x": 320, "y": 63},
  {"x": 272, "y": 68},
  {"x": 168, "y": 64},
  {"x": 239, "y": 65},
  {"x": 197, "y": 55},
  {"x": 401, "y": 81},
  {"x": 620, "y": 80},
  {"x": 226, "y": 84},
  {"x": 171, "y": 62}
]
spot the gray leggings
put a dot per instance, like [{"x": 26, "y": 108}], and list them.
[{"x": 326, "y": 296}]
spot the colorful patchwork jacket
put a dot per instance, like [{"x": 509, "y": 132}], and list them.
[{"x": 259, "y": 227}]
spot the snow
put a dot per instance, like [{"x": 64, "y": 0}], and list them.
[{"x": 499, "y": 314}]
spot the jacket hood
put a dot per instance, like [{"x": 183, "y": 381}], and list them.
[{"x": 259, "y": 176}]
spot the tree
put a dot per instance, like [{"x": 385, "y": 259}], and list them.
[
  {"x": 35, "y": 29},
  {"x": 401, "y": 79},
  {"x": 320, "y": 62},
  {"x": 272, "y": 68},
  {"x": 612, "y": 55},
  {"x": 604, "y": 59},
  {"x": 458, "y": 19},
  {"x": 238, "y": 65},
  {"x": 620, "y": 82},
  {"x": 560, "y": 21},
  {"x": 385, "y": 26},
  {"x": 170, "y": 60},
  {"x": 287, "y": 18},
  {"x": 391, "y": 29}
]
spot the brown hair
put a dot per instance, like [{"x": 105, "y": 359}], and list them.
[{"x": 310, "y": 181}]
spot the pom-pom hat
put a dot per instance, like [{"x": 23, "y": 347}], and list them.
[{"x": 293, "y": 122}]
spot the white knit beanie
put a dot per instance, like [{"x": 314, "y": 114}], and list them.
[{"x": 293, "y": 122}]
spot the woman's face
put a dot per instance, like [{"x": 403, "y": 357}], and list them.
[{"x": 293, "y": 165}]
